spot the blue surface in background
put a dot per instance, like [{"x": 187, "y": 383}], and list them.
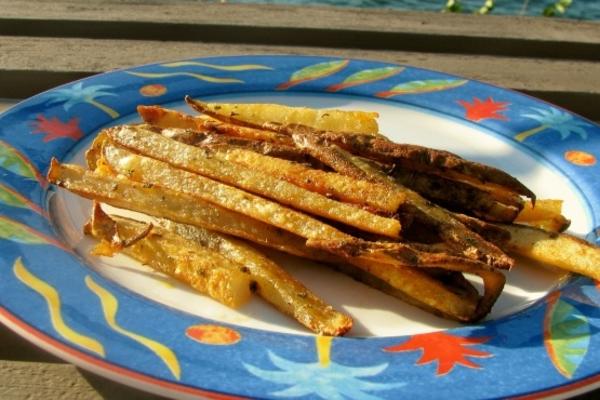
[{"x": 579, "y": 9}]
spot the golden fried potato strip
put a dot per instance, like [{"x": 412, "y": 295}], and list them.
[
  {"x": 338, "y": 186},
  {"x": 255, "y": 115},
  {"x": 400, "y": 256},
  {"x": 154, "y": 172},
  {"x": 203, "y": 269},
  {"x": 413, "y": 157},
  {"x": 556, "y": 249},
  {"x": 334, "y": 185},
  {"x": 410, "y": 284},
  {"x": 545, "y": 214},
  {"x": 201, "y": 161},
  {"x": 164, "y": 203},
  {"x": 272, "y": 283}
]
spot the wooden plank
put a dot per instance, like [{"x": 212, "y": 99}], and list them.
[
  {"x": 29, "y": 65},
  {"x": 181, "y": 20},
  {"x": 6, "y": 103},
  {"x": 15, "y": 348},
  {"x": 41, "y": 381}
]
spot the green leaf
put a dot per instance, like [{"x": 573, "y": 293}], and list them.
[
  {"x": 317, "y": 71},
  {"x": 415, "y": 87},
  {"x": 17, "y": 232},
  {"x": 12, "y": 198},
  {"x": 370, "y": 75},
  {"x": 566, "y": 335},
  {"x": 12, "y": 160}
]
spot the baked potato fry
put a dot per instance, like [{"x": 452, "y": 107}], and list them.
[
  {"x": 164, "y": 203},
  {"x": 461, "y": 239},
  {"x": 409, "y": 284},
  {"x": 400, "y": 255},
  {"x": 560, "y": 250},
  {"x": 205, "y": 270},
  {"x": 166, "y": 118},
  {"x": 333, "y": 156},
  {"x": 417, "y": 158},
  {"x": 460, "y": 196},
  {"x": 342, "y": 187},
  {"x": 334, "y": 185},
  {"x": 272, "y": 283},
  {"x": 197, "y": 138},
  {"x": 256, "y": 115},
  {"x": 154, "y": 172},
  {"x": 201, "y": 161},
  {"x": 545, "y": 214}
]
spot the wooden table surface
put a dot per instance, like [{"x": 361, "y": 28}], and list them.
[{"x": 55, "y": 42}]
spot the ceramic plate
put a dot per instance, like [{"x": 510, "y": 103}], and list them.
[{"x": 123, "y": 321}]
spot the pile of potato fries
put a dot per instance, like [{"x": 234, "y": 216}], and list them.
[{"x": 411, "y": 221}]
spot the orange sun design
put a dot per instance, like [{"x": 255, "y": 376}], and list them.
[
  {"x": 213, "y": 334},
  {"x": 447, "y": 350},
  {"x": 580, "y": 158},
  {"x": 482, "y": 109},
  {"x": 153, "y": 90}
]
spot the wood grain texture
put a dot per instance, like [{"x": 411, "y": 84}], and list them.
[
  {"x": 181, "y": 20},
  {"x": 20, "y": 380},
  {"x": 28, "y": 372}
]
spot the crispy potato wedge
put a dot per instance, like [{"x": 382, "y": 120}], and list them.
[
  {"x": 201, "y": 161},
  {"x": 414, "y": 286},
  {"x": 417, "y": 158},
  {"x": 459, "y": 196},
  {"x": 333, "y": 185},
  {"x": 342, "y": 187},
  {"x": 401, "y": 255},
  {"x": 164, "y": 203},
  {"x": 205, "y": 270},
  {"x": 489, "y": 231},
  {"x": 256, "y": 115},
  {"x": 165, "y": 118},
  {"x": 545, "y": 214},
  {"x": 197, "y": 138},
  {"x": 333, "y": 156},
  {"x": 463, "y": 240},
  {"x": 556, "y": 249},
  {"x": 154, "y": 172},
  {"x": 272, "y": 283},
  {"x": 410, "y": 284}
]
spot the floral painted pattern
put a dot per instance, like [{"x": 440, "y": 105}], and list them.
[
  {"x": 78, "y": 94},
  {"x": 54, "y": 128},
  {"x": 553, "y": 119},
  {"x": 323, "y": 378},
  {"x": 446, "y": 350},
  {"x": 479, "y": 110}
]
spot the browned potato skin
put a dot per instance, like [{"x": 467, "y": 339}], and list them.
[
  {"x": 334, "y": 185},
  {"x": 201, "y": 161},
  {"x": 206, "y": 271},
  {"x": 559, "y": 250},
  {"x": 272, "y": 283},
  {"x": 408, "y": 283},
  {"x": 545, "y": 214}
]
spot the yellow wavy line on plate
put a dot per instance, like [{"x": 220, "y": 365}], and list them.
[
  {"x": 324, "y": 349},
  {"x": 110, "y": 306},
  {"x": 242, "y": 67},
  {"x": 193, "y": 75},
  {"x": 53, "y": 300}
]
